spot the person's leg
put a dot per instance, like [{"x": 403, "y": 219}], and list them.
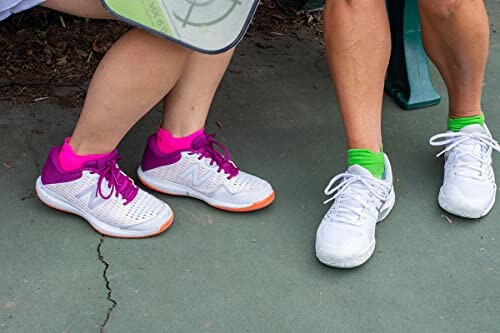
[
  {"x": 358, "y": 44},
  {"x": 456, "y": 38},
  {"x": 136, "y": 73},
  {"x": 187, "y": 105},
  {"x": 82, "y": 176},
  {"x": 181, "y": 158},
  {"x": 84, "y": 8}
]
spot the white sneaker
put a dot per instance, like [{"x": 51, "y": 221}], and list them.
[
  {"x": 346, "y": 236},
  {"x": 104, "y": 196},
  {"x": 469, "y": 188},
  {"x": 202, "y": 172}
]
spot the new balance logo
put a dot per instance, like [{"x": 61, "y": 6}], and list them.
[
  {"x": 94, "y": 201},
  {"x": 194, "y": 173}
]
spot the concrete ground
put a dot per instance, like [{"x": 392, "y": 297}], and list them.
[{"x": 221, "y": 272}]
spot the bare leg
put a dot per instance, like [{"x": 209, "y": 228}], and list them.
[
  {"x": 358, "y": 46},
  {"x": 136, "y": 73},
  {"x": 456, "y": 38},
  {"x": 187, "y": 105},
  {"x": 83, "y": 8}
]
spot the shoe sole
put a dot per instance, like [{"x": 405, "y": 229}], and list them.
[
  {"x": 170, "y": 188},
  {"x": 457, "y": 212},
  {"x": 361, "y": 259},
  {"x": 54, "y": 202}
]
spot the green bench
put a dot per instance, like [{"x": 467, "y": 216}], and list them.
[{"x": 408, "y": 79}]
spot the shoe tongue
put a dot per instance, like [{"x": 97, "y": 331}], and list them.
[
  {"x": 101, "y": 162},
  {"x": 476, "y": 128},
  {"x": 472, "y": 146},
  {"x": 199, "y": 142},
  {"x": 358, "y": 170},
  {"x": 472, "y": 129}
]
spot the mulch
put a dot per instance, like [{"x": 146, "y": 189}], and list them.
[{"x": 49, "y": 56}]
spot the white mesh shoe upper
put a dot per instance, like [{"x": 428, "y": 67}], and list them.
[
  {"x": 199, "y": 175},
  {"x": 82, "y": 195}
]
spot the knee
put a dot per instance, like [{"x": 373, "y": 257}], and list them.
[{"x": 442, "y": 9}]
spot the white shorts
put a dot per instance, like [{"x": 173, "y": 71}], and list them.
[{"x": 9, "y": 7}]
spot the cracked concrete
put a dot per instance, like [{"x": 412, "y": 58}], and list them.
[
  {"x": 109, "y": 295},
  {"x": 220, "y": 272}
]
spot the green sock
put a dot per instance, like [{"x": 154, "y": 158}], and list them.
[
  {"x": 373, "y": 162},
  {"x": 456, "y": 124}
]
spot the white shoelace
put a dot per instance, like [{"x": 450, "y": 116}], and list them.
[
  {"x": 353, "y": 188},
  {"x": 467, "y": 168}
]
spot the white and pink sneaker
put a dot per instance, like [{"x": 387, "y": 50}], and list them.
[
  {"x": 202, "y": 172},
  {"x": 103, "y": 195}
]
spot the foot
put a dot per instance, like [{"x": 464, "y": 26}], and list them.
[
  {"x": 104, "y": 196},
  {"x": 346, "y": 236},
  {"x": 202, "y": 172},
  {"x": 469, "y": 188}
]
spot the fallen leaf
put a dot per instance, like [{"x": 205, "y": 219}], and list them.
[
  {"x": 450, "y": 221},
  {"x": 39, "y": 99},
  {"x": 62, "y": 61},
  {"x": 62, "y": 21}
]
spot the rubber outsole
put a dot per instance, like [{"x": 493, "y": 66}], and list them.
[{"x": 345, "y": 263}]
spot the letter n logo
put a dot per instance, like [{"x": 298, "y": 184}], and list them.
[
  {"x": 93, "y": 200},
  {"x": 196, "y": 178}
]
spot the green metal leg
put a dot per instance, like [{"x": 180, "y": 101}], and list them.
[{"x": 408, "y": 79}]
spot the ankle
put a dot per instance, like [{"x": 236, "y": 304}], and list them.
[
  {"x": 181, "y": 131},
  {"x": 83, "y": 148},
  {"x": 169, "y": 142},
  {"x": 456, "y": 124},
  {"x": 464, "y": 112},
  {"x": 71, "y": 159},
  {"x": 368, "y": 159}
]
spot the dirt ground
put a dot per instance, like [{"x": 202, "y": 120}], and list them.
[{"x": 49, "y": 56}]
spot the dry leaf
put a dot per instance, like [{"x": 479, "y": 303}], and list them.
[{"x": 450, "y": 221}]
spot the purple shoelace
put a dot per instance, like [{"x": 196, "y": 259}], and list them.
[
  {"x": 118, "y": 182},
  {"x": 206, "y": 146}
]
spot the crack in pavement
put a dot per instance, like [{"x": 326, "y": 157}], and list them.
[{"x": 110, "y": 291}]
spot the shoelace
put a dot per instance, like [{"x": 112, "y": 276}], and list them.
[
  {"x": 350, "y": 187},
  {"x": 466, "y": 168},
  {"x": 118, "y": 182},
  {"x": 209, "y": 150}
]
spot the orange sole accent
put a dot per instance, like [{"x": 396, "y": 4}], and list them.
[
  {"x": 256, "y": 206},
  {"x": 163, "y": 227}
]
